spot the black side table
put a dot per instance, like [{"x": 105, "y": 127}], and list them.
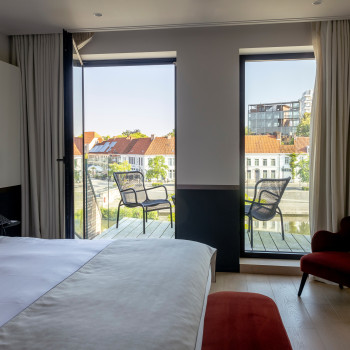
[{"x": 11, "y": 224}]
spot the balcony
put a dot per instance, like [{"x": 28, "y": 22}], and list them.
[
  {"x": 272, "y": 242},
  {"x": 132, "y": 228}
]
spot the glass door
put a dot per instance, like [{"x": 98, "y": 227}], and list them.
[{"x": 78, "y": 150}]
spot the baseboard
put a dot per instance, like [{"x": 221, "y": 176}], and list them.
[{"x": 270, "y": 266}]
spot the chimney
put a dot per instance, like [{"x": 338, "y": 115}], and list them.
[
  {"x": 152, "y": 137},
  {"x": 169, "y": 137},
  {"x": 278, "y": 135}
]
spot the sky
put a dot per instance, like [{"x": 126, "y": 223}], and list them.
[
  {"x": 278, "y": 81},
  {"x": 143, "y": 97},
  {"x": 128, "y": 98}
]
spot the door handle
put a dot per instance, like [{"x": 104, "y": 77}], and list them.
[{"x": 61, "y": 160}]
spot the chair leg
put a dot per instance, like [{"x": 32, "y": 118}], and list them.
[
  {"x": 146, "y": 214},
  {"x": 118, "y": 213},
  {"x": 302, "y": 283},
  {"x": 341, "y": 286},
  {"x": 251, "y": 232},
  {"x": 171, "y": 217},
  {"x": 282, "y": 224},
  {"x": 144, "y": 220}
]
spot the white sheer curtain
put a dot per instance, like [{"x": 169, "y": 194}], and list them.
[
  {"x": 40, "y": 59},
  {"x": 330, "y": 138}
]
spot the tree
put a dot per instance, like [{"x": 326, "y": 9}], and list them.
[
  {"x": 171, "y": 133},
  {"x": 116, "y": 167},
  {"x": 105, "y": 138},
  {"x": 303, "y": 129},
  {"x": 135, "y": 134},
  {"x": 157, "y": 168},
  {"x": 247, "y": 131},
  {"x": 293, "y": 164},
  {"x": 304, "y": 169}
]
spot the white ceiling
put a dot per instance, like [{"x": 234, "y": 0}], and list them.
[{"x": 48, "y": 16}]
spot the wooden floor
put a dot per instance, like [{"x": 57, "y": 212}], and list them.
[
  {"x": 273, "y": 242},
  {"x": 132, "y": 228},
  {"x": 319, "y": 320}
]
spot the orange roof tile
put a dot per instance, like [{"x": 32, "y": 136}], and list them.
[
  {"x": 78, "y": 146},
  {"x": 301, "y": 144},
  {"x": 270, "y": 144},
  {"x": 76, "y": 152},
  {"x": 161, "y": 145},
  {"x": 90, "y": 135},
  {"x": 139, "y": 146}
]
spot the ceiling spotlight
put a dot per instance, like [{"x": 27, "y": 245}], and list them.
[
  {"x": 99, "y": 14},
  {"x": 317, "y": 2}
]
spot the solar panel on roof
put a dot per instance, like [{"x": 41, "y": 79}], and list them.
[
  {"x": 112, "y": 145},
  {"x": 104, "y": 147}
]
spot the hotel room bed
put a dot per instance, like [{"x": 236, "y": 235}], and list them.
[{"x": 125, "y": 294}]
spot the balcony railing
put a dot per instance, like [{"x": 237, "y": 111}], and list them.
[{"x": 102, "y": 198}]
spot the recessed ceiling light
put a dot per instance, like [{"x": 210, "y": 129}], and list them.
[
  {"x": 98, "y": 14},
  {"x": 317, "y": 2}
]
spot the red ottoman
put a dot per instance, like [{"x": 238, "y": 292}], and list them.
[{"x": 246, "y": 321}]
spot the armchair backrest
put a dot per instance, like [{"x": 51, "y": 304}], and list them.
[
  {"x": 131, "y": 186},
  {"x": 268, "y": 194}
]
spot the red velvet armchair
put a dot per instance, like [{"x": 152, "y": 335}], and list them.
[{"x": 330, "y": 257}]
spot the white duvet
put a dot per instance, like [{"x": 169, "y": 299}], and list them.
[{"x": 29, "y": 267}]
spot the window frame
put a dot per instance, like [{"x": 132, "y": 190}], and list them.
[{"x": 242, "y": 60}]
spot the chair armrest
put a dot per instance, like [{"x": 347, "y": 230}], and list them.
[
  {"x": 152, "y": 188},
  {"x": 328, "y": 241},
  {"x": 128, "y": 190}
]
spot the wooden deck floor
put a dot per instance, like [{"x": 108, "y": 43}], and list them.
[
  {"x": 273, "y": 242},
  {"x": 132, "y": 228},
  {"x": 263, "y": 241}
]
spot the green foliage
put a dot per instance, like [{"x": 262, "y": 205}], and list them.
[
  {"x": 116, "y": 167},
  {"x": 106, "y": 138},
  {"x": 126, "y": 212},
  {"x": 247, "y": 131},
  {"x": 171, "y": 133},
  {"x": 304, "y": 169},
  {"x": 78, "y": 222},
  {"x": 247, "y": 197},
  {"x": 303, "y": 129},
  {"x": 135, "y": 134},
  {"x": 157, "y": 184},
  {"x": 157, "y": 168},
  {"x": 77, "y": 176},
  {"x": 293, "y": 164}
]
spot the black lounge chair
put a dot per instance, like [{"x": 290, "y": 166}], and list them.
[
  {"x": 133, "y": 194},
  {"x": 264, "y": 206}
]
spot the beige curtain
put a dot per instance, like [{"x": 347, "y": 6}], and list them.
[
  {"x": 330, "y": 153},
  {"x": 40, "y": 59}
]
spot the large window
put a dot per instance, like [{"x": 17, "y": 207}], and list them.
[
  {"x": 276, "y": 111},
  {"x": 128, "y": 124}
]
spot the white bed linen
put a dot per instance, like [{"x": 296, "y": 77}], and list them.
[
  {"x": 30, "y": 267},
  {"x": 201, "y": 325}
]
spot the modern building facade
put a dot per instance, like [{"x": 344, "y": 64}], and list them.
[
  {"x": 281, "y": 117},
  {"x": 269, "y": 118}
]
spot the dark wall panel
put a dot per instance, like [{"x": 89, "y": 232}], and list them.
[
  {"x": 212, "y": 217},
  {"x": 10, "y": 207}
]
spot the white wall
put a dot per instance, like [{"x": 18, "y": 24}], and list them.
[
  {"x": 9, "y": 125},
  {"x": 4, "y": 48},
  {"x": 207, "y": 88}
]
